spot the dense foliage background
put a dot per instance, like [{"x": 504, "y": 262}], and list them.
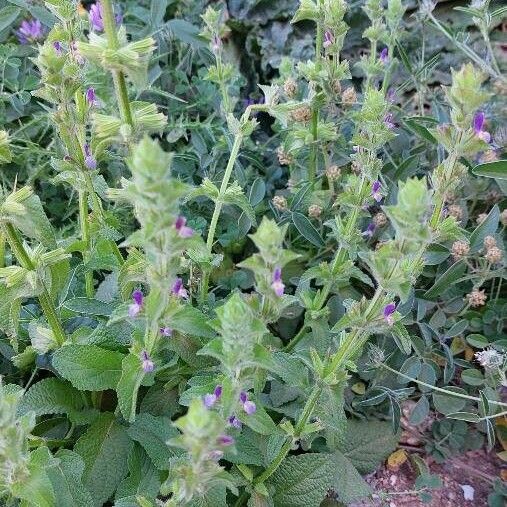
[{"x": 238, "y": 238}]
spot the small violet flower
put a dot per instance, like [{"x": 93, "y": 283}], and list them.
[
  {"x": 328, "y": 39},
  {"x": 136, "y": 306},
  {"x": 248, "y": 406},
  {"x": 91, "y": 97},
  {"x": 389, "y": 121},
  {"x": 211, "y": 399},
  {"x": 225, "y": 440},
  {"x": 183, "y": 230},
  {"x": 58, "y": 48},
  {"x": 95, "y": 16},
  {"x": 391, "y": 95},
  {"x": 388, "y": 313},
  {"x": 384, "y": 56},
  {"x": 166, "y": 331},
  {"x": 147, "y": 363},
  {"x": 369, "y": 230},
  {"x": 234, "y": 422},
  {"x": 277, "y": 284},
  {"x": 90, "y": 161},
  {"x": 478, "y": 123},
  {"x": 216, "y": 43},
  {"x": 30, "y": 31},
  {"x": 375, "y": 190},
  {"x": 178, "y": 290}
]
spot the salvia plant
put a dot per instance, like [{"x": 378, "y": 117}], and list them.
[{"x": 182, "y": 328}]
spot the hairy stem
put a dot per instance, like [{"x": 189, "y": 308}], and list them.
[
  {"x": 85, "y": 235},
  {"x": 440, "y": 389},
  {"x": 120, "y": 86},
  {"x": 44, "y": 298}
]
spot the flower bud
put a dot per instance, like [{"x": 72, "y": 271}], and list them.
[
  {"x": 302, "y": 114},
  {"x": 455, "y": 211},
  {"x": 489, "y": 242},
  {"x": 503, "y": 217},
  {"x": 314, "y": 211},
  {"x": 349, "y": 96},
  {"x": 493, "y": 255},
  {"x": 380, "y": 219},
  {"x": 279, "y": 202},
  {"x": 477, "y": 298},
  {"x": 460, "y": 249},
  {"x": 290, "y": 88},
  {"x": 333, "y": 172},
  {"x": 284, "y": 158},
  {"x": 480, "y": 218}
]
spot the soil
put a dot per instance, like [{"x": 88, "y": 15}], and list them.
[{"x": 477, "y": 469}]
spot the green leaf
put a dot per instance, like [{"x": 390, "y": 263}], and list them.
[
  {"x": 486, "y": 228},
  {"x": 367, "y": 443},
  {"x": 464, "y": 416},
  {"x": 472, "y": 377},
  {"x": 497, "y": 170},
  {"x": 444, "y": 281},
  {"x": 8, "y": 15},
  {"x": 36, "y": 489},
  {"x": 420, "y": 411},
  {"x": 88, "y": 367},
  {"x": 143, "y": 478},
  {"x": 448, "y": 404},
  {"x": 234, "y": 195},
  {"x": 153, "y": 433},
  {"x": 259, "y": 421},
  {"x": 413, "y": 125},
  {"x": 306, "y": 229},
  {"x": 66, "y": 479},
  {"x": 190, "y": 320},
  {"x": 51, "y": 396},
  {"x": 304, "y": 480},
  {"x": 478, "y": 341},
  {"x": 105, "y": 448},
  {"x": 89, "y": 306},
  {"x": 128, "y": 386}
]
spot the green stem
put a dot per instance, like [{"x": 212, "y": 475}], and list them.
[
  {"x": 300, "y": 426},
  {"x": 440, "y": 389},
  {"x": 120, "y": 86},
  {"x": 299, "y": 336},
  {"x": 2, "y": 249},
  {"x": 85, "y": 235},
  {"x": 218, "y": 208},
  {"x": 44, "y": 298},
  {"x": 314, "y": 155}
]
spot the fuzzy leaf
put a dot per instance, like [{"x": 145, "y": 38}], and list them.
[
  {"x": 153, "y": 433},
  {"x": 128, "y": 386},
  {"x": 51, "y": 396},
  {"x": 105, "y": 448},
  {"x": 304, "y": 480},
  {"x": 88, "y": 367},
  {"x": 66, "y": 479}
]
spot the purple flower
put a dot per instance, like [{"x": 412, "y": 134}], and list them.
[
  {"x": 95, "y": 16},
  {"x": 388, "y": 313},
  {"x": 478, "y": 123},
  {"x": 375, "y": 190},
  {"x": 211, "y": 399},
  {"x": 369, "y": 230},
  {"x": 225, "y": 440},
  {"x": 183, "y": 230},
  {"x": 391, "y": 95},
  {"x": 234, "y": 422},
  {"x": 384, "y": 56},
  {"x": 249, "y": 407},
  {"x": 178, "y": 290},
  {"x": 90, "y": 161},
  {"x": 58, "y": 48},
  {"x": 328, "y": 39},
  {"x": 30, "y": 31},
  {"x": 136, "y": 306},
  {"x": 166, "y": 331},
  {"x": 277, "y": 284},
  {"x": 91, "y": 97},
  {"x": 73, "y": 49},
  {"x": 216, "y": 43},
  {"x": 147, "y": 363},
  {"x": 389, "y": 121}
]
